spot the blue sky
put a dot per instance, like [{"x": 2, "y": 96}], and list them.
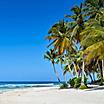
[{"x": 23, "y": 27}]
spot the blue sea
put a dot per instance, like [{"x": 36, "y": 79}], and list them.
[{"x": 6, "y": 86}]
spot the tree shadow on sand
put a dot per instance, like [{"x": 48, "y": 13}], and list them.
[{"x": 95, "y": 88}]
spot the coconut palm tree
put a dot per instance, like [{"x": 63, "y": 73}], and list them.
[
  {"x": 76, "y": 24},
  {"x": 92, "y": 7},
  {"x": 51, "y": 56},
  {"x": 60, "y": 36}
]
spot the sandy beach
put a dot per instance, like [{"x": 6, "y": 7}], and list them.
[{"x": 52, "y": 95}]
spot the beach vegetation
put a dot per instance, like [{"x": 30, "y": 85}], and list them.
[{"x": 64, "y": 86}]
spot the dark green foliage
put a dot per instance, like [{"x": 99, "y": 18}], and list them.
[
  {"x": 101, "y": 82},
  {"x": 72, "y": 82},
  {"x": 76, "y": 82},
  {"x": 64, "y": 86},
  {"x": 85, "y": 80}
]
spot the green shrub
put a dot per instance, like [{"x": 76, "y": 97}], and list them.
[
  {"x": 72, "y": 82},
  {"x": 85, "y": 80},
  {"x": 101, "y": 82},
  {"x": 76, "y": 82},
  {"x": 64, "y": 86}
]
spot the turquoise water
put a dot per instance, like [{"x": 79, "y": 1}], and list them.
[{"x": 6, "y": 86}]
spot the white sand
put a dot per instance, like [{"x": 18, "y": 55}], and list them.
[{"x": 52, "y": 96}]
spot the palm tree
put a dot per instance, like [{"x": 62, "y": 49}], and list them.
[
  {"x": 92, "y": 7},
  {"x": 51, "y": 56},
  {"x": 76, "y": 24},
  {"x": 60, "y": 36}
]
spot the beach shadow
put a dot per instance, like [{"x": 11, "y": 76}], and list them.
[{"x": 95, "y": 88}]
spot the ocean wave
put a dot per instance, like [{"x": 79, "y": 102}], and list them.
[{"x": 13, "y": 86}]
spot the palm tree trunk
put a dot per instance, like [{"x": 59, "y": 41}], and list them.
[
  {"x": 93, "y": 75},
  {"x": 82, "y": 80},
  {"x": 56, "y": 73},
  {"x": 103, "y": 69},
  {"x": 99, "y": 68},
  {"x": 102, "y": 72},
  {"x": 75, "y": 69},
  {"x": 64, "y": 75},
  {"x": 65, "y": 79},
  {"x": 70, "y": 71}
]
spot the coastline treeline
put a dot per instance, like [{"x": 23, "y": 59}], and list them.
[{"x": 77, "y": 44}]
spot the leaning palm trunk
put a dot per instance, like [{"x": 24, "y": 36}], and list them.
[
  {"x": 100, "y": 69},
  {"x": 63, "y": 74},
  {"x": 93, "y": 73},
  {"x": 82, "y": 79},
  {"x": 71, "y": 74},
  {"x": 103, "y": 68},
  {"x": 75, "y": 70},
  {"x": 65, "y": 78},
  {"x": 102, "y": 72},
  {"x": 56, "y": 72}
]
